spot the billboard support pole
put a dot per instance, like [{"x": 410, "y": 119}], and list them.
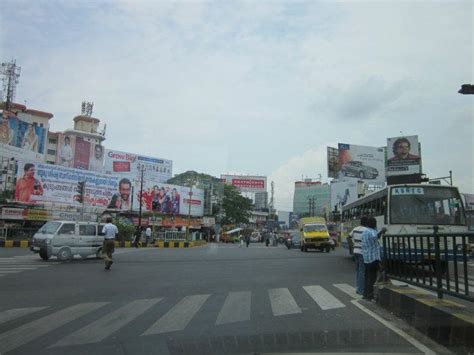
[{"x": 140, "y": 199}]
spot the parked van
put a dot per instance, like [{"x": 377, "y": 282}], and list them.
[{"x": 65, "y": 239}]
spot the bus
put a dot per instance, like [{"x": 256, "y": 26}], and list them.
[{"x": 408, "y": 209}]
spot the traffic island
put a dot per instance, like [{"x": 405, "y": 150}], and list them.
[{"x": 448, "y": 323}]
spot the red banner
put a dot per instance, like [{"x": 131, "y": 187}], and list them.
[
  {"x": 82, "y": 154},
  {"x": 121, "y": 166},
  {"x": 249, "y": 183}
]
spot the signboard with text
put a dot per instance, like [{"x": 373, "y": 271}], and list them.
[{"x": 247, "y": 183}]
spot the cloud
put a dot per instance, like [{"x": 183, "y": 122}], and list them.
[{"x": 307, "y": 165}]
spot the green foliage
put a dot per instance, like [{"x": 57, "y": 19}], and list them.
[
  {"x": 236, "y": 207},
  {"x": 126, "y": 229}
]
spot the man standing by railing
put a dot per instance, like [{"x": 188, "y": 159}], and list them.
[
  {"x": 371, "y": 255},
  {"x": 356, "y": 236}
]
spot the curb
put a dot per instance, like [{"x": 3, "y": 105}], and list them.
[
  {"x": 446, "y": 322},
  {"x": 122, "y": 244}
]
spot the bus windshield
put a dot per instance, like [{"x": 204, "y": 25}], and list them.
[
  {"x": 309, "y": 228},
  {"x": 426, "y": 205}
]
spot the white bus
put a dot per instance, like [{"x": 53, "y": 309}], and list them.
[{"x": 410, "y": 209}]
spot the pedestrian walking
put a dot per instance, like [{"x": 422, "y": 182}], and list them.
[
  {"x": 110, "y": 232},
  {"x": 356, "y": 237},
  {"x": 247, "y": 240},
  {"x": 241, "y": 241},
  {"x": 371, "y": 255},
  {"x": 267, "y": 239},
  {"x": 137, "y": 237},
  {"x": 147, "y": 235}
]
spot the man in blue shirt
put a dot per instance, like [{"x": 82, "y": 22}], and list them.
[{"x": 371, "y": 255}]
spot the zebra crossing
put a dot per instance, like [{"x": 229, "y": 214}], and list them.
[
  {"x": 235, "y": 308},
  {"x": 18, "y": 264}
]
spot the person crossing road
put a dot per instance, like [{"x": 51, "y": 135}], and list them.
[{"x": 110, "y": 232}]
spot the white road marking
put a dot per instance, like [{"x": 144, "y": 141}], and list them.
[
  {"x": 179, "y": 316},
  {"x": 348, "y": 290},
  {"x": 10, "y": 314},
  {"x": 10, "y": 272},
  {"x": 13, "y": 267},
  {"x": 105, "y": 326},
  {"x": 425, "y": 350},
  {"x": 323, "y": 298},
  {"x": 236, "y": 308},
  {"x": 14, "y": 338},
  {"x": 282, "y": 302}
]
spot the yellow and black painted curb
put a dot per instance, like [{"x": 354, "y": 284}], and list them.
[
  {"x": 447, "y": 322},
  {"x": 118, "y": 244}
]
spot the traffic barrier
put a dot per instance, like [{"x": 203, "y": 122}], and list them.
[{"x": 118, "y": 244}]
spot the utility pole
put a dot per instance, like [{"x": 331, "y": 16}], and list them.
[
  {"x": 11, "y": 73},
  {"x": 311, "y": 205}
]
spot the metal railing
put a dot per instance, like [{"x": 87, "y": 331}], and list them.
[
  {"x": 173, "y": 236},
  {"x": 437, "y": 261}
]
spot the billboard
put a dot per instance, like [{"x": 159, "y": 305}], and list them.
[
  {"x": 361, "y": 163},
  {"x": 45, "y": 183},
  {"x": 333, "y": 162},
  {"x": 403, "y": 156},
  {"x": 247, "y": 183},
  {"x": 21, "y": 138},
  {"x": 129, "y": 165},
  {"x": 343, "y": 193},
  {"x": 76, "y": 152},
  {"x": 169, "y": 199}
]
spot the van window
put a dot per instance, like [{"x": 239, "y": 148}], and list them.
[
  {"x": 99, "y": 229},
  {"x": 67, "y": 228},
  {"x": 87, "y": 229}
]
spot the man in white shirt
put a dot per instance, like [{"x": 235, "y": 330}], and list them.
[
  {"x": 147, "y": 235},
  {"x": 96, "y": 162},
  {"x": 356, "y": 237},
  {"x": 110, "y": 231}
]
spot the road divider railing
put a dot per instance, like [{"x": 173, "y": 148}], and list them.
[{"x": 436, "y": 261}]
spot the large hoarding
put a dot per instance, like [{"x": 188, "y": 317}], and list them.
[
  {"x": 169, "y": 199},
  {"x": 343, "y": 193},
  {"x": 129, "y": 165},
  {"x": 403, "y": 156},
  {"x": 45, "y": 183},
  {"x": 247, "y": 183},
  {"x": 21, "y": 138},
  {"x": 77, "y": 152},
  {"x": 362, "y": 163}
]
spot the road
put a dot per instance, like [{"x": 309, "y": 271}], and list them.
[{"x": 210, "y": 300}]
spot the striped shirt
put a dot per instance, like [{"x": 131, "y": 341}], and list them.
[
  {"x": 356, "y": 235},
  {"x": 370, "y": 246}
]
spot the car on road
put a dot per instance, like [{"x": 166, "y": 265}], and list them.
[
  {"x": 293, "y": 240},
  {"x": 357, "y": 169},
  {"x": 64, "y": 239}
]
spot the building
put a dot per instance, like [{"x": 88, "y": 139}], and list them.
[
  {"x": 85, "y": 136},
  {"x": 261, "y": 201},
  {"x": 311, "y": 198}
]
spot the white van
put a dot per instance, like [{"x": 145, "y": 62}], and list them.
[{"x": 65, "y": 239}]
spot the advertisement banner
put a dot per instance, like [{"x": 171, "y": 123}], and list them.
[
  {"x": 75, "y": 152},
  {"x": 333, "y": 162},
  {"x": 13, "y": 213},
  {"x": 129, "y": 165},
  {"x": 247, "y": 183},
  {"x": 169, "y": 199},
  {"x": 361, "y": 163},
  {"x": 343, "y": 193},
  {"x": 46, "y": 183},
  {"x": 21, "y": 138},
  {"x": 82, "y": 154},
  {"x": 403, "y": 156}
]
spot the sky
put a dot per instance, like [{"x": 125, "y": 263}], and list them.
[{"x": 253, "y": 87}]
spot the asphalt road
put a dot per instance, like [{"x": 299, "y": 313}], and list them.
[{"x": 210, "y": 300}]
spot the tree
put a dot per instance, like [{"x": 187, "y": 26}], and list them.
[{"x": 236, "y": 207}]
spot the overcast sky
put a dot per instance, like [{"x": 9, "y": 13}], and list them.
[{"x": 253, "y": 87}]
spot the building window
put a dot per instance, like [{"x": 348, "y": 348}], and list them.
[
  {"x": 52, "y": 141},
  {"x": 50, "y": 162},
  {"x": 51, "y": 152}
]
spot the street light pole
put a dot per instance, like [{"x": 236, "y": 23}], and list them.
[{"x": 189, "y": 212}]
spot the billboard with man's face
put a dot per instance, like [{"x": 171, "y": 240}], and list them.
[
  {"x": 46, "y": 183},
  {"x": 77, "y": 152},
  {"x": 358, "y": 162},
  {"x": 21, "y": 138},
  {"x": 403, "y": 156}
]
